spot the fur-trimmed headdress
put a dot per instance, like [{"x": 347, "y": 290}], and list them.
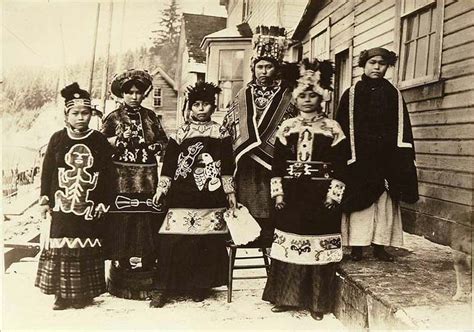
[
  {"x": 315, "y": 76},
  {"x": 119, "y": 80},
  {"x": 202, "y": 91},
  {"x": 269, "y": 43},
  {"x": 74, "y": 96},
  {"x": 388, "y": 56}
]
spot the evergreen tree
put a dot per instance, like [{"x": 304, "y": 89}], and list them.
[{"x": 166, "y": 37}]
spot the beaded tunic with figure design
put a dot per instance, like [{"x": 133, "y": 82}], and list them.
[
  {"x": 196, "y": 175},
  {"x": 307, "y": 167},
  {"x": 74, "y": 179}
]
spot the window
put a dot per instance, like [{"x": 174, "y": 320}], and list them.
[
  {"x": 320, "y": 46},
  {"x": 246, "y": 9},
  {"x": 343, "y": 74},
  {"x": 420, "y": 41},
  {"x": 157, "y": 97},
  {"x": 230, "y": 75}
]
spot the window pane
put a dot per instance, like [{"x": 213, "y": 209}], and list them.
[
  {"x": 421, "y": 57},
  {"x": 225, "y": 65},
  {"x": 409, "y": 61},
  {"x": 237, "y": 64},
  {"x": 425, "y": 23},
  {"x": 226, "y": 94},
  {"x": 412, "y": 27}
]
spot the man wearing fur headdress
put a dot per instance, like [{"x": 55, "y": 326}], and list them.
[{"x": 253, "y": 119}]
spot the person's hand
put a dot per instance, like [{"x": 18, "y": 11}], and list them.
[
  {"x": 45, "y": 210},
  {"x": 329, "y": 203},
  {"x": 279, "y": 202},
  {"x": 232, "y": 200},
  {"x": 98, "y": 212},
  {"x": 156, "y": 198}
]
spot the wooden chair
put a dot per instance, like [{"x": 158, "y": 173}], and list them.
[{"x": 233, "y": 257}]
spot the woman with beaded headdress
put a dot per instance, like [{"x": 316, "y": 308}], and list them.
[
  {"x": 197, "y": 180},
  {"x": 137, "y": 138},
  {"x": 307, "y": 185},
  {"x": 73, "y": 193},
  {"x": 254, "y": 115},
  {"x": 381, "y": 162}
]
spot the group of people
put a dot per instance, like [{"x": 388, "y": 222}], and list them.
[{"x": 312, "y": 183}]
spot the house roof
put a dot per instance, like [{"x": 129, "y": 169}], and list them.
[
  {"x": 310, "y": 12},
  {"x": 196, "y": 27},
  {"x": 167, "y": 78},
  {"x": 241, "y": 31}
]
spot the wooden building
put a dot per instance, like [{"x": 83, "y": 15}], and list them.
[
  {"x": 191, "y": 61},
  {"x": 163, "y": 99},
  {"x": 229, "y": 50}
]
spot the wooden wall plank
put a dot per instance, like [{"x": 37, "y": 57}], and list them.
[
  {"x": 458, "y": 38},
  {"x": 379, "y": 18},
  {"x": 363, "y": 15},
  {"x": 437, "y": 117},
  {"x": 461, "y": 68},
  {"x": 464, "y": 83},
  {"x": 442, "y": 209},
  {"x": 453, "y": 163},
  {"x": 456, "y": 8},
  {"x": 458, "y": 53},
  {"x": 457, "y": 131},
  {"x": 342, "y": 38},
  {"x": 455, "y": 100},
  {"x": 462, "y": 21},
  {"x": 380, "y": 41},
  {"x": 446, "y": 177},
  {"x": 455, "y": 195},
  {"x": 342, "y": 25},
  {"x": 383, "y": 29},
  {"x": 462, "y": 148},
  {"x": 362, "y": 6}
]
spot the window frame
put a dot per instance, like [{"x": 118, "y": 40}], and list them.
[
  {"x": 232, "y": 80},
  {"x": 155, "y": 97},
  {"x": 323, "y": 27},
  {"x": 438, "y": 19}
]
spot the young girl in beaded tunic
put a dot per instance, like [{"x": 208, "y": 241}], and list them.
[
  {"x": 197, "y": 180},
  {"x": 307, "y": 186},
  {"x": 77, "y": 159}
]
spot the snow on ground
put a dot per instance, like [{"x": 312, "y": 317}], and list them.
[{"x": 26, "y": 308}]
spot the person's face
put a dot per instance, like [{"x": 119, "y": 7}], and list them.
[
  {"x": 375, "y": 67},
  {"x": 308, "y": 101},
  {"x": 133, "y": 97},
  {"x": 79, "y": 117},
  {"x": 202, "y": 110},
  {"x": 265, "y": 72}
]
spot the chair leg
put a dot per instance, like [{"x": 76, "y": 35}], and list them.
[
  {"x": 266, "y": 260},
  {"x": 232, "y": 254}
]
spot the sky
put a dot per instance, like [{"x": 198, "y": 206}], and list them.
[{"x": 57, "y": 32}]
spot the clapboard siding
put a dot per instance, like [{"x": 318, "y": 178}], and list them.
[
  {"x": 440, "y": 162},
  {"x": 459, "y": 131},
  {"x": 446, "y": 178},
  {"x": 440, "y": 117},
  {"x": 461, "y": 68},
  {"x": 445, "y": 193},
  {"x": 442, "y": 113},
  {"x": 449, "y": 147},
  {"x": 457, "y": 100}
]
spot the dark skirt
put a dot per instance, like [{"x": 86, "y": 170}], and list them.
[
  {"x": 253, "y": 188},
  {"x": 76, "y": 273},
  {"x": 187, "y": 262},
  {"x": 304, "y": 286},
  {"x": 131, "y": 235}
]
